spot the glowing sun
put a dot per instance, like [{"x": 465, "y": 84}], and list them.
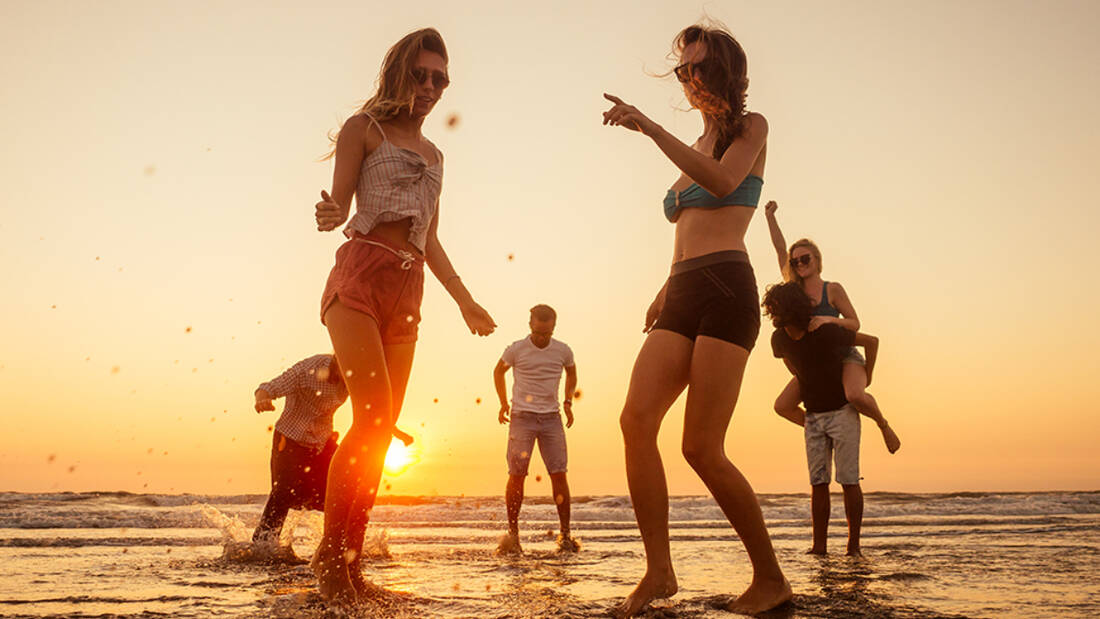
[{"x": 399, "y": 458}]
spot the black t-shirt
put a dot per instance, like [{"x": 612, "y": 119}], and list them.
[{"x": 817, "y": 359}]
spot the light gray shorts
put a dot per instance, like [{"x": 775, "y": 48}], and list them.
[
  {"x": 829, "y": 434},
  {"x": 524, "y": 429}
]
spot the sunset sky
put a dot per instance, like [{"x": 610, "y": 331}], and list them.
[{"x": 160, "y": 164}]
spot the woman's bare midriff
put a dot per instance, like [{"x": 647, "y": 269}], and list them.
[
  {"x": 397, "y": 232},
  {"x": 705, "y": 231}
]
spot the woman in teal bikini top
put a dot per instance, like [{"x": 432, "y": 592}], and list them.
[
  {"x": 694, "y": 196},
  {"x": 704, "y": 321}
]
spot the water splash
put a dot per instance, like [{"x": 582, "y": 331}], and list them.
[{"x": 237, "y": 543}]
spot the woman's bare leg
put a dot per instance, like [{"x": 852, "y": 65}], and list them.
[
  {"x": 357, "y": 462},
  {"x": 399, "y": 359},
  {"x": 855, "y": 390},
  {"x": 660, "y": 375},
  {"x": 787, "y": 404},
  {"x": 717, "y": 368}
]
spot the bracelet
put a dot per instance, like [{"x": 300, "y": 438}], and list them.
[{"x": 447, "y": 281}]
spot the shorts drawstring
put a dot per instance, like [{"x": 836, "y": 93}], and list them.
[{"x": 407, "y": 257}]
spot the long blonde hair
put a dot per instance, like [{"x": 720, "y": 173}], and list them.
[
  {"x": 395, "y": 89},
  {"x": 790, "y": 274}
]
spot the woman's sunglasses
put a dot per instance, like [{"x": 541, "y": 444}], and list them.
[
  {"x": 686, "y": 72},
  {"x": 439, "y": 79},
  {"x": 802, "y": 260}
]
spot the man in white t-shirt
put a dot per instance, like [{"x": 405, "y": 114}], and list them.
[{"x": 533, "y": 416}]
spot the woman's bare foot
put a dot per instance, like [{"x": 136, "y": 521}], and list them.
[
  {"x": 761, "y": 595},
  {"x": 854, "y": 552},
  {"x": 816, "y": 551},
  {"x": 893, "y": 443},
  {"x": 330, "y": 566},
  {"x": 649, "y": 589}
]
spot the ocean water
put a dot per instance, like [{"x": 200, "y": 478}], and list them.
[{"x": 926, "y": 555}]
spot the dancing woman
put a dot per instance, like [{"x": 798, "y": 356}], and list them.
[
  {"x": 371, "y": 303},
  {"x": 705, "y": 319},
  {"x": 802, "y": 264}
]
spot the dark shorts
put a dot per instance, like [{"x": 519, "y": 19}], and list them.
[
  {"x": 299, "y": 472},
  {"x": 378, "y": 282},
  {"x": 713, "y": 295}
]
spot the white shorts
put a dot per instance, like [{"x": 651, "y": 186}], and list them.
[{"x": 833, "y": 434}]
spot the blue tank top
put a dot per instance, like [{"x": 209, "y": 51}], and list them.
[
  {"x": 694, "y": 196},
  {"x": 824, "y": 308}
]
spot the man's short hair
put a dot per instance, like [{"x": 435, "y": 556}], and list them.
[
  {"x": 788, "y": 305},
  {"x": 543, "y": 313}
]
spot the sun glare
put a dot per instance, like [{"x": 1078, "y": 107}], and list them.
[{"x": 399, "y": 458}]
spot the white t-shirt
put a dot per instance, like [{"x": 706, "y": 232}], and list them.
[{"x": 537, "y": 374}]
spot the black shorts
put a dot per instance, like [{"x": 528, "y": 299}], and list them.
[
  {"x": 299, "y": 472},
  {"x": 713, "y": 295}
]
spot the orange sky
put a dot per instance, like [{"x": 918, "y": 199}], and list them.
[{"x": 160, "y": 168}]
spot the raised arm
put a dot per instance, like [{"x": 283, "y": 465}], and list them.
[
  {"x": 477, "y": 319},
  {"x": 570, "y": 389},
  {"x": 502, "y": 390},
  {"x": 719, "y": 178},
  {"x": 778, "y": 241},
  {"x": 870, "y": 347}
]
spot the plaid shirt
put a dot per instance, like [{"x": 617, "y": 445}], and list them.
[{"x": 311, "y": 400}]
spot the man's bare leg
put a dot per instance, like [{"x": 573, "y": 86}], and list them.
[
  {"x": 513, "y": 501},
  {"x": 820, "y": 509},
  {"x": 560, "y": 488},
  {"x": 853, "y": 511}
]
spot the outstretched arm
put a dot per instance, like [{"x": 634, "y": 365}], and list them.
[
  {"x": 502, "y": 390},
  {"x": 477, "y": 319},
  {"x": 778, "y": 241},
  {"x": 870, "y": 347},
  {"x": 263, "y": 401},
  {"x": 719, "y": 178},
  {"x": 280, "y": 386}
]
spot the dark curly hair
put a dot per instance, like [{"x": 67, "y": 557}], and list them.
[
  {"x": 720, "y": 81},
  {"x": 788, "y": 305}
]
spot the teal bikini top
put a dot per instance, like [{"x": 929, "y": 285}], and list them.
[{"x": 694, "y": 196}]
